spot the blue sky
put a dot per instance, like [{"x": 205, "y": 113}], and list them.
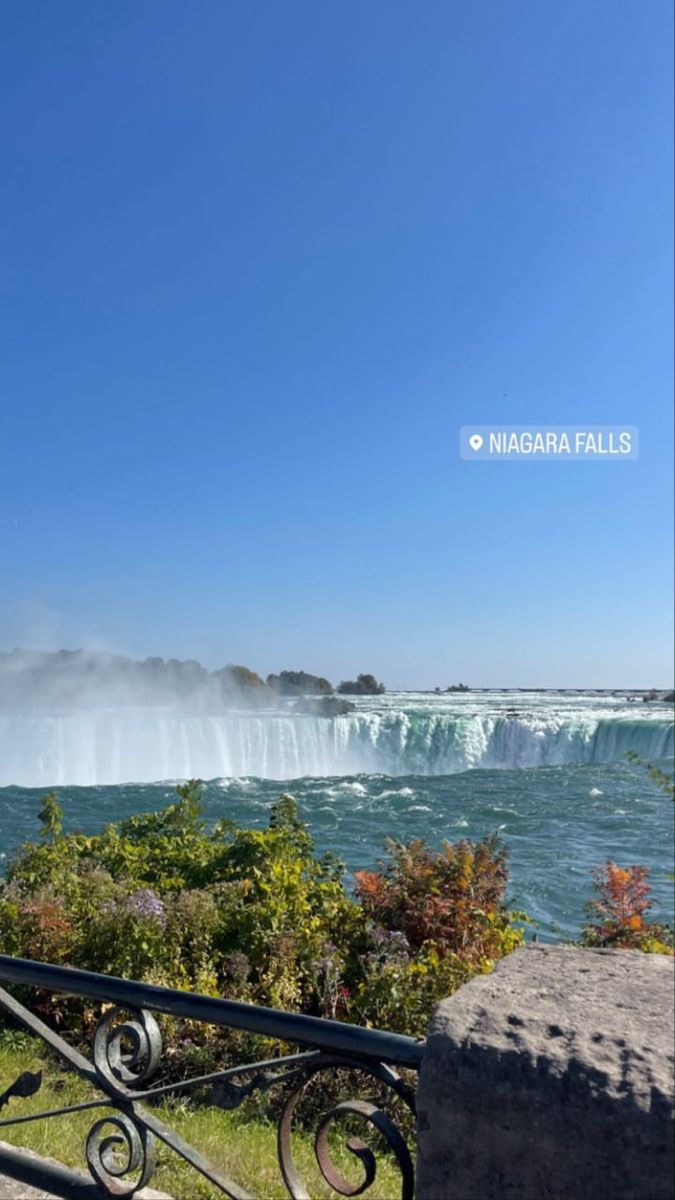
[{"x": 261, "y": 262}]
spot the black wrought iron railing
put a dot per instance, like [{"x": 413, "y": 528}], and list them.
[{"x": 121, "y": 1146}]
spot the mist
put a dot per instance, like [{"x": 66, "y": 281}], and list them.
[{"x": 42, "y": 681}]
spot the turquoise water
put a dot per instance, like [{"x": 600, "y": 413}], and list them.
[{"x": 557, "y": 821}]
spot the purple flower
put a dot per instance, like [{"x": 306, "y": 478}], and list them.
[
  {"x": 146, "y": 905},
  {"x": 390, "y": 943},
  {"x": 238, "y": 967},
  {"x": 329, "y": 959}
]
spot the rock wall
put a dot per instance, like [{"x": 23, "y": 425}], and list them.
[{"x": 551, "y": 1079}]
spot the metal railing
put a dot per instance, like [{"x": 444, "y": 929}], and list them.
[{"x": 121, "y": 1147}]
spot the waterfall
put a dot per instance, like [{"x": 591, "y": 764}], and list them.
[{"x": 145, "y": 745}]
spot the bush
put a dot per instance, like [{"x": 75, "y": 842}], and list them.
[
  {"x": 436, "y": 919},
  {"x": 256, "y": 915},
  {"x": 452, "y": 897},
  {"x": 622, "y": 901}
]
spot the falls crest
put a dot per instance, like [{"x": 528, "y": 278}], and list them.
[{"x": 145, "y": 746}]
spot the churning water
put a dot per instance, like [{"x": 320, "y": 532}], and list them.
[{"x": 547, "y": 770}]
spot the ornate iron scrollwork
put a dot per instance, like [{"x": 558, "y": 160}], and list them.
[
  {"x": 366, "y": 1111},
  {"x": 126, "y": 1052},
  {"x": 120, "y": 1154}
]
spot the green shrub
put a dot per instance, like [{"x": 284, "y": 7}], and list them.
[{"x": 256, "y": 915}]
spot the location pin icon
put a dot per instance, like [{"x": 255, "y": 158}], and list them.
[{"x": 475, "y": 441}]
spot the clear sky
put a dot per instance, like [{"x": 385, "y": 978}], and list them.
[{"x": 261, "y": 261}]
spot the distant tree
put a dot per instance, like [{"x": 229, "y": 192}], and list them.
[
  {"x": 363, "y": 685},
  {"x": 299, "y": 683},
  {"x": 240, "y": 677}
]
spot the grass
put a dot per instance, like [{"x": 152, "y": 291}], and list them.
[{"x": 243, "y": 1149}]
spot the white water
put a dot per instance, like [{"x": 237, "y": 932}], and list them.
[{"x": 397, "y": 734}]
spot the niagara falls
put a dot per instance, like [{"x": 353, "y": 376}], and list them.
[
  {"x": 337, "y": 722},
  {"x": 113, "y": 735},
  {"x": 400, "y": 734}
]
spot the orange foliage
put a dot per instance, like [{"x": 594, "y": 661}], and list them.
[
  {"x": 452, "y": 897},
  {"x": 47, "y": 931},
  {"x": 622, "y": 899}
]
